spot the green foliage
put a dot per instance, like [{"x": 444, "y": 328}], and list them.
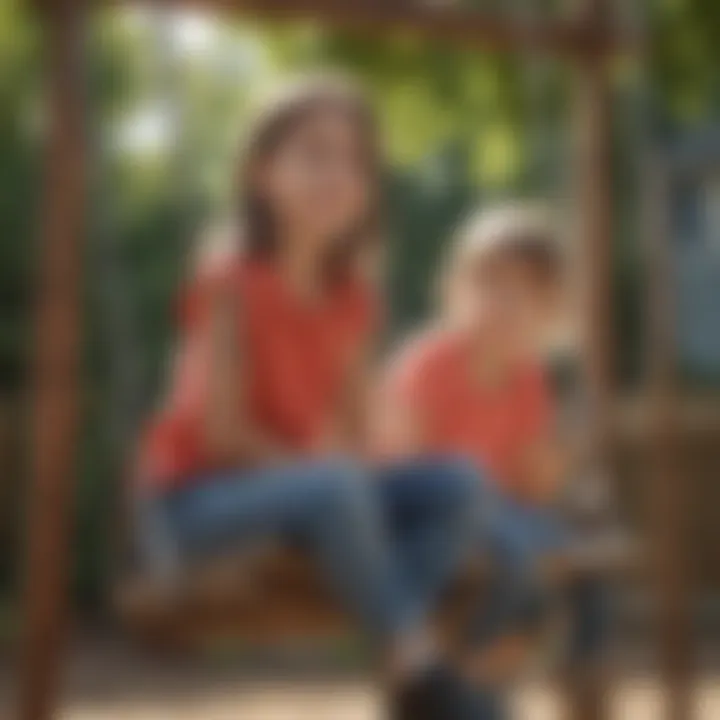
[
  {"x": 19, "y": 170},
  {"x": 19, "y": 150},
  {"x": 685, "y": 42}
]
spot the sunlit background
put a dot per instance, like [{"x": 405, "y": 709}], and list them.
[{"x": 168, "y": 95}]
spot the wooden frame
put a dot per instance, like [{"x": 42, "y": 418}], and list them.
[
  {"x": 57, "y": 361},
  {"x": 442, "y": 20},
  {"x": 587, "y": 40}
]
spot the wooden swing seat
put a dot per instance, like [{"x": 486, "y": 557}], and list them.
[
  {"x": 258, "y": 596},
  {"x": 276, "y": 594}
]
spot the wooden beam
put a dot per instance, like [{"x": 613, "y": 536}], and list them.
[
  {"x": 57, "y": 358},
  {"x": 593, "y": 175},
  {"x": 667, "y": 496},
  {"x": 694, "y": 418},
  {"x": 586, "y": 687},
  {"x": 435, "y": 21}
]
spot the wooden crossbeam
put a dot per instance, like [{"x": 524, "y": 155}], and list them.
[{"x": 435, "y": 21}]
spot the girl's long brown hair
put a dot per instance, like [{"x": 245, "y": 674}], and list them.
[{"x": 272, "y": 126}]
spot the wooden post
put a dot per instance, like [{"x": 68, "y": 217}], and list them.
[
  {"x": 667, "y": 499},
  {"x": 585, "y": 690},
  {"x": 57, "y": 359}
]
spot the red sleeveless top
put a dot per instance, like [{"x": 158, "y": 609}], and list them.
[
  {"x": 296, "y": 358},
  {"x": 430, "y": 378}
]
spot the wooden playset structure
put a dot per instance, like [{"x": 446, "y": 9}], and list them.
[{"x": 586, "y": 38}]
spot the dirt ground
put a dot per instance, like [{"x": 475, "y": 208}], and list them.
[
  {"x": 348, "y": 701},
  {"x": 113, "y": 682},
  {"x": 264, "y": 701}
]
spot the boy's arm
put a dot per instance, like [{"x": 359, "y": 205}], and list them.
[
  {"x": 402, "y": 428},
  {"x": 543, "y": 463},
  {"x": 376, "y": 418},
  {"x": 401, "y": 410}
]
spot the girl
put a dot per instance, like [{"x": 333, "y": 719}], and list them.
[{"x": 262, "y": 433}]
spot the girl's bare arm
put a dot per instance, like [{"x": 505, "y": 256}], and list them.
[
  {"x": 351, "y": 429},
  {"x": 230, "y": 434},
  {"x": 373, "y": 420}
]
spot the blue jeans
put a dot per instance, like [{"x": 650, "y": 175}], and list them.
[
  {"x": 518, "y": 536},
  {"x": 387, "y": 540}
]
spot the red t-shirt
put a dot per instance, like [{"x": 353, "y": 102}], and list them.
[
  {"x": 296, "y": 358},
  {"x": 431, "y": 383}
]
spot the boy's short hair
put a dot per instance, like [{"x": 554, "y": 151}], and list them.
[{"x": 519, "y": 231}]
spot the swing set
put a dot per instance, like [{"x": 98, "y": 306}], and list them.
[{"x": 588, "y": 39}]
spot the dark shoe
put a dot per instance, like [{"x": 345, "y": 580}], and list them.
[{"x": 436, "y": 694}]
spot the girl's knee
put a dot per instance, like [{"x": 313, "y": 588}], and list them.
[
  {"x": 462, "y": 480},
  {"x": 341, "y": 486}
]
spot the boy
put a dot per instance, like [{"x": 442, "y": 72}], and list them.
[{"x": 474, "y": 384}]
